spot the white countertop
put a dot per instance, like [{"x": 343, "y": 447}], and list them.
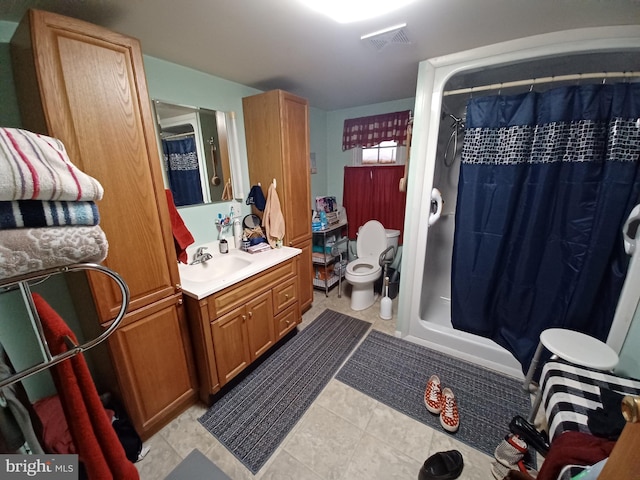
[{"x": 259, "y": 262}]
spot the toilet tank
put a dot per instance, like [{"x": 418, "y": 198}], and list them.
[{"x": 392, "y": 241}]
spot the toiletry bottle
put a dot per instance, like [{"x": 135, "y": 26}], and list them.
[
  {"x": 224, "y": 246},
  {"x": 245, "y": 243},
  {"x": 237, "y": 233}
]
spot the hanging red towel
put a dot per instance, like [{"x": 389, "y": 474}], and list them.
[
  {"x": 95, "y": 439},
  {"x": 181, "y": 235}
]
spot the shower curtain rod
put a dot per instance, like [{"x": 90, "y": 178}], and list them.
[
  {"x": 537, "y": 81},
  {"x": 177, "y": 135}
]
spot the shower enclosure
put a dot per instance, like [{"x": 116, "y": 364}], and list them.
[{"x": 424, "y": 306}]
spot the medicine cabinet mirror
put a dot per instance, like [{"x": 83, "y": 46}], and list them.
[{"x": 194, "y": 153}]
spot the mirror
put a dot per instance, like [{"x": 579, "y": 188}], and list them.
[{"x": 194, "y": 152}]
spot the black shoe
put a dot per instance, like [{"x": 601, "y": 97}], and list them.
[
  {"x": 529, "y": 434},
  {"x": 442, "y": 466}
]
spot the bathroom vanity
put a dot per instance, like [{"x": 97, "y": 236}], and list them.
[{"x": 238, "y": 316}]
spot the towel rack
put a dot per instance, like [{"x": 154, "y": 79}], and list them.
[{"x": 22, "y": 283}]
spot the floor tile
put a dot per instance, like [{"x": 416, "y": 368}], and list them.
[
  {"x": 374, "y": 459},
  {"x": 401, "y": 432},
  {"x": 324, "y": 442},
  {"x": 347, "y": 403}
]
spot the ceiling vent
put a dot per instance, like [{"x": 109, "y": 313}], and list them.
[{"x": 382, "y": 38}]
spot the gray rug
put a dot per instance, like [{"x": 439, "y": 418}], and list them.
[
  {"x": 196, "y": 466},
  {"x": 253, "y": 418},
  {"x": 395, "y": 372}
]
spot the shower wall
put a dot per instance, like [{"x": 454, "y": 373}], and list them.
[{"x": 435, "y": 300}]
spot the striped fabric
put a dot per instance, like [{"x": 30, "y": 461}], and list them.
[
  {"x": 36, "y": 213},
  {"x": 37, "y": 167},
  {"x": 569, "y": 392}
]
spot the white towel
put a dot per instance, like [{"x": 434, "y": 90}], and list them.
[
  {"x": 273, "y": 220},
  {"x": 27, "y": 250},
  {"x": 37, "y": 167}
]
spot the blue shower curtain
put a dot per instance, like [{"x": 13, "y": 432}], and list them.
[
  {"x": 181, "y": 161},
  {"x": 546, "y": 182}
]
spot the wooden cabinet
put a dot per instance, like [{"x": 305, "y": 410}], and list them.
[
  {"x": 85, "y": 85},
  {"x": 242, "y": 335},
  {"x": 277, "y": 134},
  {"x": 235, "y": 326}
]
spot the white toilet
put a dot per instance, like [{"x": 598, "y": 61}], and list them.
[{"x": 362, "y": 272}]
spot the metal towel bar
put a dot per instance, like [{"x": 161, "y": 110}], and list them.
[{"x": 22, "y": 282}]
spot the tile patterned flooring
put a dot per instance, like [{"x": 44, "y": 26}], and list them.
[{"x": 344, "y": 435}]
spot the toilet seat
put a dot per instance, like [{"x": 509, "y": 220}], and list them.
[{"x": 362, "y": 268}]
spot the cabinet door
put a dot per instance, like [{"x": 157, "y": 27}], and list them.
[
  {"x": 231, "y": 344},
  {"x": 295, "y": 157},
  {"x": 155, "y": 366},
  {"x": 85, "y": 85},
  {"x": 260, "y": 327},
  {"x": 305, "y": 275}
]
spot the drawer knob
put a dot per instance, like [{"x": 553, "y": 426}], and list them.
[
  {"x": 244, "y": 317},
  {"x": 179, "y": 301},
  {"x": 250, "y": 314},
  {"x": 286, "y": 296},
  {"x": 178, "y": 287}
]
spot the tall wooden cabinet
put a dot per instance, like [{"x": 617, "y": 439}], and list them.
[
  {"x": 276, "y": 127},
  {"x": 86, "y": 86}
]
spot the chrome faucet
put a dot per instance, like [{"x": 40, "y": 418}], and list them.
[{"x": 201, "y": 256}]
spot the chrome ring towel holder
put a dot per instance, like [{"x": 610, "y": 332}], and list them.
[{"x": 22, "y": 282}]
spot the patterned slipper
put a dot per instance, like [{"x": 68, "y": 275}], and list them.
[
  {"x": 433, "y": 395},
  {"x": 449, "y": 418},
  {"x": 511, "y": 450}
]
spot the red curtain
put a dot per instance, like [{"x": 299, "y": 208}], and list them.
[
  {"x": 372, "y": 193},
  {"x": 370, "y": 131}
]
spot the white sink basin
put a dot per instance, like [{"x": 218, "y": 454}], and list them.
[
  {"x": 220, "y": 266},
  {"x": 226, "y": 269}
]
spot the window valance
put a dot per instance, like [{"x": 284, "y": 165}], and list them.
[{"x": 369, "y": 131}]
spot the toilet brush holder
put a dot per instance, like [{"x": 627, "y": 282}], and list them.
[{"x": 385, "y": 302}]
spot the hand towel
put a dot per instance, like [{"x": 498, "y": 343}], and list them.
[
  {"x": 27, "y": 250},
  {"x": 273, "y": 220},
  {"x": 37, "y": 167},
  {"x": 38, "y": 213},
  {"x": 94, "y": 438},
  {"x": 182, "y": 237},
  {"x": 256, "y": 197}
]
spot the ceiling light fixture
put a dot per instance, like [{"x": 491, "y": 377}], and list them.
[{"x": 347, "y": 11}]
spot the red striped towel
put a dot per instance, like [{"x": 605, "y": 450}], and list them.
[{"x": 37, "y": 167}]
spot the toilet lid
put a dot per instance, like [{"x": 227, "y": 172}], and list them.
[{"x": 372, "y": 239}]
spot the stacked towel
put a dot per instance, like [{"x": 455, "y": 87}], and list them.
[
  {"x": 48, "y": 215},
  {"x": 36, "y": 167},
  {"x": 35, "y": 213}
]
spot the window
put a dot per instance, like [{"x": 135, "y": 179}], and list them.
[{"x": 385, "y": 153}]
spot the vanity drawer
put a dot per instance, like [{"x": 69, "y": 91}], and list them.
[
  {"x": 287, "y": 320},
  {"x": 284, "y": 295},
  {"x": 236, "y": 295}
]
